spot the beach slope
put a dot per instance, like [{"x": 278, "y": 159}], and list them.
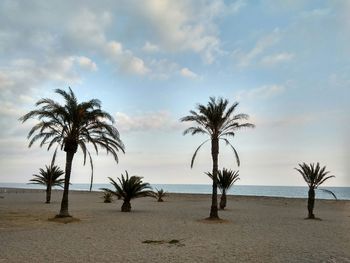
[{"x": 254, "y": 229}]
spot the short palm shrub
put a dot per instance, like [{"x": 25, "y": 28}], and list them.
[
  {"x": 159, "y": 195},
  {"x": 128, "y": 188},
  {"x": 226, "y": 178},
  {"x": 314, "y": 176},
  {"x": 107, "y": 197}
]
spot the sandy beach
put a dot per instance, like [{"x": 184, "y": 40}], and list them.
[{"x": 255, "y": 229}]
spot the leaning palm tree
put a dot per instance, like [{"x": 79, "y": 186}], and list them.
[
  {"x": 226, "y": 179},
  {"x": 49, "y": 177},
  {"x": 129, "y": 188},
  {"x": 218, "y": 121},
  {"x": 71, "y": 126},
  {"x": 314, "y": 176}
]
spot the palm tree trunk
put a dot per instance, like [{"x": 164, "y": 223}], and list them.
[
  {"x": 214, "y": 197},
  {"x": 48, "y": 193},
  {"x": 223, "y": 200},
  {"x": 91, "y": 181},
  {"x": 64, "y": 203},
  {"x": 310, "y": 203},
  {"x": 126, "y": 207}
]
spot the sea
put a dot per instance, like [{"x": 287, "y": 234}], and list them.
[{"x": 342, "y": 193}]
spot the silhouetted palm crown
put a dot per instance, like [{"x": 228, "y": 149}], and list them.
[
  {"x": 216, "y": 120},
  {"x": 313, "y": 175},
  {"x": 48, "y": 176},
  {"x": 74, "y": 124}
]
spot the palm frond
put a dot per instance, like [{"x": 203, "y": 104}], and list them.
[
  {"x": 313, "y": 174},
  {"x": 233, "y": 149},
  {"x": 329, "y": 192},
  {"x": 225, "y": 179},
  {"x": 196, "y": 151},
  {"x": 195, "y": 130},
  {"x": 319, "y": 182},
  {"x": 53, "y": 158}
]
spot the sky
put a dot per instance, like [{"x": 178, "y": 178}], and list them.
[{"x": 151, "y": 62}]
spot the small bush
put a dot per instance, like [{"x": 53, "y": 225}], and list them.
[
  {"x": 159, "y": 194},
  {"x": 107, "y": 197}
]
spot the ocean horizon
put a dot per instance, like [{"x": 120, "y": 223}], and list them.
[{"x": 342, "y": 193}]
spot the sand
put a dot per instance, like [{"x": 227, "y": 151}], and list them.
[{"x": 254, "y": 229}]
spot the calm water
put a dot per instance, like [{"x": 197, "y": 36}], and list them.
[{"x": 342, "y": 193}]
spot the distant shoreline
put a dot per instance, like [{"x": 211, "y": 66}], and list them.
[{"x": 13, "y": 190}]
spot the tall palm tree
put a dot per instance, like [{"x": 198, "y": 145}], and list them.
[
  {"x": 49, "y": 177},
  {"x": 314, "y": 176},
  {"x": 226, "y": 179},
  {"x": 73, "y": 125},
  {"x": 129, "y": 188},
  {"x": 218, "y": 121}
]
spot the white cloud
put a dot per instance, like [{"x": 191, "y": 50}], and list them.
[
  {"x": 88, "y": 29},
  {"x": 21, "y": 75},
  {"x": 262, "y": 92},
  {"x": 294, "y": 121},
  {"x": 318, "y": 12},
  {"x": 86, "y": 63},
  {"x": 114, "y": 48},
  {"x": 174, "y": 26},
  {"x": 236, "y": 6},
  {"x": 271, "y": 60},
  {"x": 186, "y": 25},
  {"x": 245, "y": 59},
  {"x": 163, "y": 69},
  {"x": 124, "y": 59},
  {"x": 5, "y": 80},
  {"x": 20, "y": 79},
  {"x": 133, "y": 64},
  {"x": 149, "y": 47},
  {"x": 9, "y": 110},
  {"x": 340, "y": 80},
  {"x": 152, "y": 121},
  {"x": 185, "y": 72}
]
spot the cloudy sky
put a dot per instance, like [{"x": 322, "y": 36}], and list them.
[{"x": 150, "y": 62}]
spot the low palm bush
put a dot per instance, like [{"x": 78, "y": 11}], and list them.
[
  {"x": 107, "y": 197},
  {"x": 159, "y": 195},
  {"x": 128, "y": 188}
]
